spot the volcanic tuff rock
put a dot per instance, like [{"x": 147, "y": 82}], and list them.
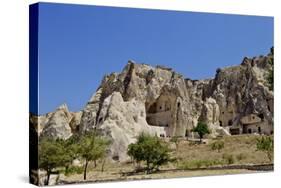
[
  {"x": 59, "y": 124},
  {"x": 160, "y": 101}
]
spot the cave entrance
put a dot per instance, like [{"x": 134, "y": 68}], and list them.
[{"x": 158, "y": 113}]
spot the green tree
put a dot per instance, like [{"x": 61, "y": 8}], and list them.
[
  {"x": 150, "y": 149},
  {"x": 265, "y": 144},
  {"x": 218, "y": 145},
  {"x": 202, "y": 129},
  {"x": 92, "y": 147},
  {"x": 51, "y": 155},
  {"x": 71, "y": 148}
]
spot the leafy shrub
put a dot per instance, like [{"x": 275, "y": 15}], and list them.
[
  {"x": 202, "y": 129},
  {"x": 74, "y": 170},
  {"x": 150, "y": 149},
  {"x": 265, "y": 144}
]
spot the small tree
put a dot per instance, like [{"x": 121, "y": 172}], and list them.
[
  {"x": 265, "y": 144},
  {"x": 202, "y": 129},
  {"x": 71, "y": 148},
  {"x": 52, "y": 155},
  {"x": 92, "y": 147},
  {"x": 150, "y": 149},
  {"x": 218, "y": 145}
]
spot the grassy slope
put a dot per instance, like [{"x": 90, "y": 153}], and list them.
[{"x": 241, "y": 145}]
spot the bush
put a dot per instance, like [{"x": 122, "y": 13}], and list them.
[
  {"x": 202, "y": 129},
  {"x": 150, "y": 149},
  {"x": 218, "y": 145},
  {"x": 74, "y": 170},
  {"x": 52, "y": 155},
  {"x": 265, "y": 144}
]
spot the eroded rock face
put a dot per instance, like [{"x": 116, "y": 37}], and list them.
[
  {"x": 58, "y": 124},
  {"x": 160, "y": 101}
]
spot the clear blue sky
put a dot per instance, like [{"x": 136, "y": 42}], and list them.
[{"x": 80, "y": 44}]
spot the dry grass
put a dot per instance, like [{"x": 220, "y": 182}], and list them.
[{"x": 241, "y": 148}]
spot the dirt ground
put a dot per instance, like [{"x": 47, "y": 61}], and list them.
[{"x": 241, "y": 148}]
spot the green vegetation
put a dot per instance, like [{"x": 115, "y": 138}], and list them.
[
  {"x": 265, "y": 144},
  {"x": 218, "y": 145},
  {"x": 150, "y": 149},
  {"x": 201, "y": 129},
  {"x": 150, "y": 153},
  {"x": 52, "y": 154},
  {"x": 57, "y": 153},
  {"x": 74, "y": 170},
  {"x": 92, "y": 148}
]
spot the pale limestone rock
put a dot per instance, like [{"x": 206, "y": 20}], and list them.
[
  {"x": 160, "y": 101},
  {"x": 60, "y": 124},
  {"x": 122, "y": 121}
]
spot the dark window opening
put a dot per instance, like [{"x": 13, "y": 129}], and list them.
[
  {"x": 253, "y": 117},
  {"x": 115, "y": 158},
  {"x": 222, "y": 112},
  {"x": 186, "y": 133},
  {"x": 261, "y": 116},
  {"x": 167, "y": 125},
  {"x": 230, "y": 122},
  {"x": 221, "y": 123},
  {"x": 179, "y": 104},
  {"x": 249, "y": 131},
  {"x": 160, "y": 107},
  {"x": 259, "y": 129}
]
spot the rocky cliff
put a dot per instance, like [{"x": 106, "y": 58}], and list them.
[{"x": 160, "y": 101}]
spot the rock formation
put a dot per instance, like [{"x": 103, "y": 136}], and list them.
[{"x": 160, "y": 101}]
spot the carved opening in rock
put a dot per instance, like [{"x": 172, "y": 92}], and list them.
[
  {"x": 222, "y": 112},
  {"x": 259, "y": 129},
  {"x": 249, "y": 131},
  {"x": 261, "y": 116},
  {"x": 234, "y": 131},
  {"x": 230, "y": 122},
  {"x": 186, "y": 133},
  {"x": 221, "y": 123},
  {"x": 115, "y": 157},
  {"x": 158, "y": 113}
]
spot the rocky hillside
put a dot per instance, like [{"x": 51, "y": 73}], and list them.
[{"x": 160, "y": 101}]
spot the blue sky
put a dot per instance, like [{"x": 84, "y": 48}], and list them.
[{"x": 78, "y": 45}]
